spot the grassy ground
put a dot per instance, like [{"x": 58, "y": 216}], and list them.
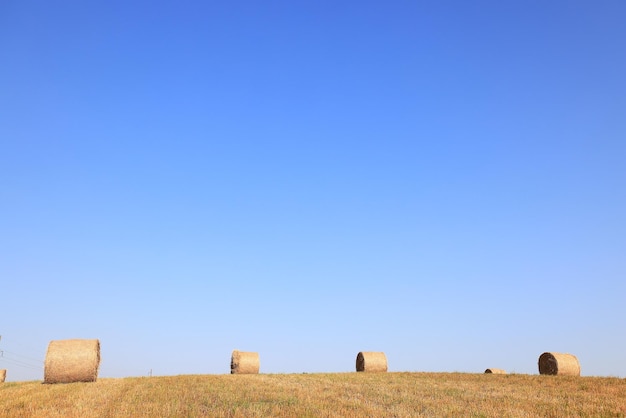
[{"x": 322, "y": 395}]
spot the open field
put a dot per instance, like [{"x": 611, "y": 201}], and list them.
[{"x": 315, "y": 395}]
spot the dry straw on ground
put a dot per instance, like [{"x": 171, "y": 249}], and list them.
[
  {"x": 562, "y": 364},
  {"x": 495, "y": 371},
  {"x": 243, "y": 362},
  {"x": 371, "y": 361},
  {"x": 69, "y": 361},
  {"x": 3, "y": 375}
]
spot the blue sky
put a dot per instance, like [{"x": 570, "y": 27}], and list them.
[{"x": 443, "y": 181}]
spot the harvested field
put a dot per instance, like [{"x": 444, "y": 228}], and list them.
[{"x": 315, "y": 395}]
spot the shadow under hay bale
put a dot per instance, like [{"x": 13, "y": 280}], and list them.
[
  {"x": 243, "y": 362},
  {"x": 3, "y": 375},
  {"x": 69, "y": 361},
  {"x": 562, "y": 364},
  {"x": 495, "y": 371},
  {"x": 371, "y": 361}
]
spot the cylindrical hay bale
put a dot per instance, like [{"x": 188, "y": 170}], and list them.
[
  {"x": 371, "y": 361},
  {"x": 562, "y": 364},
  {"x": 69, "y": 361},
  {"x": 495, "y": 371},
  {"x": 243, "y": 362},
  {"x": 3, "y": 375}
]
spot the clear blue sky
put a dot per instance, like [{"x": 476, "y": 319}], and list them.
[{"x": 444, "y": 181}]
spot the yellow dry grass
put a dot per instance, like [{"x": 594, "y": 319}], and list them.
[{"x": 328, "y": 395}]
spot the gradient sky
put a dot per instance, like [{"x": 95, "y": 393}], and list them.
[{"x": 444, "y": 181}]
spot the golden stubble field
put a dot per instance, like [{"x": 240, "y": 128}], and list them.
[{"x": 321, "y": 395}]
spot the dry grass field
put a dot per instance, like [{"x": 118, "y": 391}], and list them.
[{"x": 321, "y": 395}]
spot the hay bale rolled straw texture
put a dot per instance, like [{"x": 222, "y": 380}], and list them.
[
  {"x": 371, "y": 361},
  {"x": 3, "y": 375},
  {"x": 495, "y": 371},
  {"x": 562, "y": 364},
  {"x": 69, "y": 361},
  {"x": 244, "y": 362}
]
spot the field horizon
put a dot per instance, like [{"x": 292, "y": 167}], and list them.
[{"x": 399, "y": 394}]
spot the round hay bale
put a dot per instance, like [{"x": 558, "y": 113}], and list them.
[
  {"x": 243, "y": 362},
  {"x": 3, "y": 375},
  {"x": 69, "y": 361},
  {"x": 495, "y": 371},
  {"x": 371, "y": 361},
  {"x": 562, "y": 364}
]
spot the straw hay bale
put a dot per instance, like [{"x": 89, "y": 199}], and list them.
[
  {"x": 244, "y": 362},
  {"x": 562, "y": 364},
  {"x": 3, "y": 375},
  {"x": 495, "y": 371},
  {"x": 69, "y": 361},
  {"x": 371, "y": 361}
]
